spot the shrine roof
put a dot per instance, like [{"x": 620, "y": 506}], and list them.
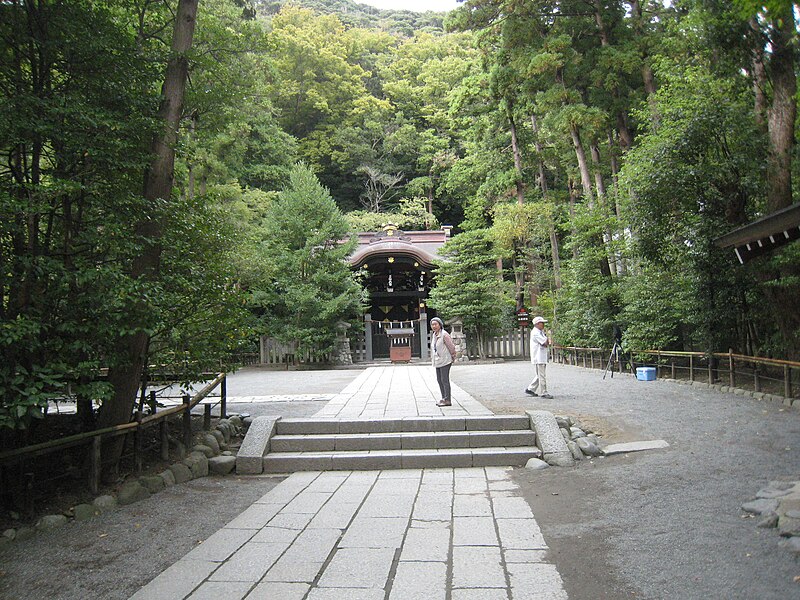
[{"x": 423, "y": 246}]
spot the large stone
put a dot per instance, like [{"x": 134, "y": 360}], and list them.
[
  {"x": 153, "y": 483},
  {"x": 236, "y": 421},
  {"x": 48, "y": 522},
  {"x": 206, "y": 439},
  {"x": 24, "y": 533},
  {"x": 217, "y": 435},
  {"x": 10, "y": 534},
  {"x": 105, "y": 502},
  {"x": 130, "y": 492},
  {"x": 549, "y": 438},
  {"x": 534, "y": 464},
  {"x": 84, "y": 512},
  {"x": 587, "y": 447},
  {"x": 250, "y": 459},
  {"x": 575, "y": 450},
  {"x": 788, "y": 526},
  {"x": 770, "y": 492},
  {"x": 221, "y": 465},
  {"x": 168, "y": 477},
  {"x": 197, "y": 463},
  {"x": 632, "y": 446},
  {"x": 205, "y": 450},
  {"x": 761, "y": 506},
  {"x": 576, "y": 432},
  {"x": 181, "y": 472}
]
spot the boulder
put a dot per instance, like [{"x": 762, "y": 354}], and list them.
[
  {"x": 153, "y": 483},
  {"x": 534, "y": 464},
  {"x": 168, "y": 477},
  {"x": 205, "y": 450},
  {"x": 181, "y": 472},
  {"x": 197, "y": 463},
  {"x": 105, "y": 502},
  {"x": 48, "y": 522},
  {"x": 84, "y": 512},
  {"x": 761, "y": 506},
  {"x": 587, "y": 447},
  {"x": 130, "y": 492},
  {"x": 575, "y": 450},
  {"x": 221, "y": 465}
]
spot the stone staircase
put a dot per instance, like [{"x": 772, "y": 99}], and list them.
[{"x": 403, "y": 443}]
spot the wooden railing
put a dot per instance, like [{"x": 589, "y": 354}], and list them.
[
  {"x": 94, "y": 439},
  {"x": 768, "y": 375}
]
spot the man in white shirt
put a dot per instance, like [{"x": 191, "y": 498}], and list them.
[{"x": 539, "y": 345}]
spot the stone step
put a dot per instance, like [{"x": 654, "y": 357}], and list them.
[
  {"x": 344, "y": 442},
  {"x": 288, "y": 462},
  {"x": 313, "y": 426}
]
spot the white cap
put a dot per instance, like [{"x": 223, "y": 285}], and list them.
[{"x": 539, "y": 320}]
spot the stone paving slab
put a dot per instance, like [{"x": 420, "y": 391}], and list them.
[
  {"x": 463, "y": 533},
  {"x": 322, "y": 535}
]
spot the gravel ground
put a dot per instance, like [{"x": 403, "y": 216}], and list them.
[
  {"x": 663, "y": 523},
  {"x": 655, "y": 525}
]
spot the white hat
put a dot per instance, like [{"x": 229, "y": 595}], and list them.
[{"x": 539, "y": 320}]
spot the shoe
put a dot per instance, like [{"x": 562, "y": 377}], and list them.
[
  {"x": 443, "y": 403},
  {"x": 530, "y": 393},
  {"x": 548, "y": 396}
]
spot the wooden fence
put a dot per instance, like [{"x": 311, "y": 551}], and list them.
[
  {"x": 276, "y": 353},
  {"x": 15, "y": 460},
  {"x": 767, "y": 375},
  {"x": 513, "y": 344}
]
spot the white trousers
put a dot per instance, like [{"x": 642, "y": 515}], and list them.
[{"x": 539, "y": 382}]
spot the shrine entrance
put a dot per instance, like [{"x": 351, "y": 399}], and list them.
[{"x": 395, "y": 267}]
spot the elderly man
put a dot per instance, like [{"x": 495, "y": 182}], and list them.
[{"x": 539, "y": 344}]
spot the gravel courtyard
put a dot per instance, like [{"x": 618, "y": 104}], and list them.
[{"x": 657, "y": 524}]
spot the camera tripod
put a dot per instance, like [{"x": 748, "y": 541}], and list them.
[{"x": 616, "y": 352}]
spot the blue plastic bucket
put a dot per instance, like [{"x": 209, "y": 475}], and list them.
[{"x": 646, "y": 373}]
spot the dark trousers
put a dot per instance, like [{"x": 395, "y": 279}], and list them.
[{"x": 443, "y": 379}]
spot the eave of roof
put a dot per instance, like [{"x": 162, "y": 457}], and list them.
[{"x": 763, "y": 235}]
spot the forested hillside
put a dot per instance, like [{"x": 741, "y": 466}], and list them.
[{"x": 592, "y": 150}]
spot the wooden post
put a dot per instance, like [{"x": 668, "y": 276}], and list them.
[
  {"x": 95, "y": 465},
  {"x": 672, "y": 363},
  {"x": 583, "y": 358},
  {"x": 787, "y": 381},
  {"x": 164, "y": 438},
  {"x": 691, "y": 367},
  {"x": 223, "y": 392},
  {"x": 731, "y": 368},
  {"x": 658, "y": 364},
  {"x": 206, "y": 417},
  {"x": 591, "y": 357},
  {"x": 137, "y": 442},
  {"x": 710, "y": 369},
  {"x": 187, "y": 422},
  {"x": 756, "y": 378},
  {"x": 153, "y": 402}
]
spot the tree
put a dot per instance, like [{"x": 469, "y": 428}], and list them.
[
  {"x": 310, "y": 286},
  {"x": 467, "y": 285}
]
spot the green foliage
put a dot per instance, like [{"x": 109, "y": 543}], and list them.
[
  {"x": 467, "y": 284},
  {"x": 411, "y": 216},
  {"x": 310, "y": 287}
]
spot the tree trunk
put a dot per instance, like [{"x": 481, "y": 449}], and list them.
[
  {"x": 782, "y": 113},
  {"x": 516, "y": 151},
  {"x": 583, "y": 165},
  {"x": 544, "y": 189},
  {"x": 759, "y": 77},
  {"x": 126, "y": 376}
]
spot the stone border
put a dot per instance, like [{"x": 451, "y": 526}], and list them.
[
  {"x": 209, "y": 455},
  {"x": 793, "y": 403},
  {"x": 778, "y": 505}
]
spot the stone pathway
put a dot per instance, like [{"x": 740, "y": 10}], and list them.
[
  {"x": 398, "y": 391},
  {"x": 413, "y": 534},
  {"x": 428, "y": 534}
]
